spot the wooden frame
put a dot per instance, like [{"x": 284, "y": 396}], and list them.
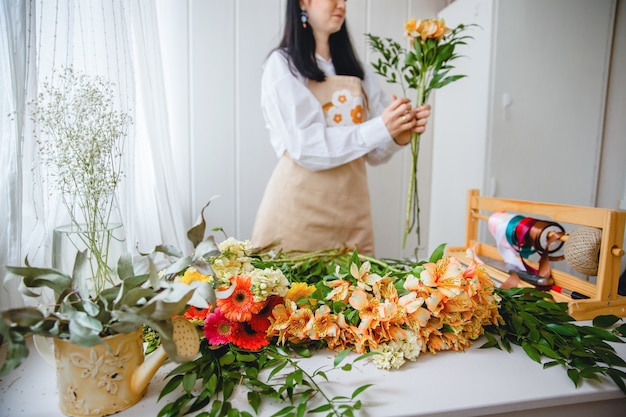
[{"x": 603, "y": 296}]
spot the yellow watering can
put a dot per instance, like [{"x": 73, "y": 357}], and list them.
[{"x": 103, "y": 380}]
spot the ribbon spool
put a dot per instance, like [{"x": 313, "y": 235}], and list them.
[{"x": 582, "y": 250}]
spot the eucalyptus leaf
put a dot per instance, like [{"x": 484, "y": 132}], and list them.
[
  {"x": 125, "y": 268},
  {"x": 196, "y": 233}
]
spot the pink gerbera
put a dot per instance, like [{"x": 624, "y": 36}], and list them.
[
  {"x": 245, "y": 337},
  {"x": 217, "y": 328}
]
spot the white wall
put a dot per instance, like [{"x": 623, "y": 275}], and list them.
[{"x": 215, "y": 68}]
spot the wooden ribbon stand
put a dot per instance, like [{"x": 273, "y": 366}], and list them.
[{"x": 604, "y": 298}]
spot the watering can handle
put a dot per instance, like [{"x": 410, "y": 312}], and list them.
[
  {"x": 45, "y": 349},
  {"x": 143, "y": 374}
]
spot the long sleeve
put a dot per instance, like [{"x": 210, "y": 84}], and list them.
[{"x": 296, "y": 122}]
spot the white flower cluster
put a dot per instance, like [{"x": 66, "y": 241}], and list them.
[
  {"x": 268, "y": 281},
  {"x": 82, "y": 133},
  {"x": 394, "y": 354},
  {"x": 233, "y": 260}
]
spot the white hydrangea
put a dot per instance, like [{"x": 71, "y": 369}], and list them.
[
  {"x": 233, "y": 260},
  {"x": 268, "y": 281},
  {"x": 390, "y": 356},
  {"x": 411, "y": 347}
]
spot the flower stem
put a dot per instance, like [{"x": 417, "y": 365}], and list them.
[{"x": 412, "y": 200}]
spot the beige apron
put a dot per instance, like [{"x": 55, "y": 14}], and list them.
[{"x": 303, "y": 210}]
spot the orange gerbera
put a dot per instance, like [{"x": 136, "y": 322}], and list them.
[{"x": 240, "y": 305}]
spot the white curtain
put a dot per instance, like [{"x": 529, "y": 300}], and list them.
[{"x": 115, "y": 39}]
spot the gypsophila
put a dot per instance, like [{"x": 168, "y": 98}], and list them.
[
  {"x": 81, "y": 138},
  {"x": 82, "y": 133}
]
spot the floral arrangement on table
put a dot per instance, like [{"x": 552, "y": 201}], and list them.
[
  {"x": 272, "y": 308},
  {"x": 423, "y": 67}
]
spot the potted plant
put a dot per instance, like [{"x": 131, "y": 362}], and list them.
[
  {"x": 91, "y": 307},
  {"x": 98, "y": 338}
]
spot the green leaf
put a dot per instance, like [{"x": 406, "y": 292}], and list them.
[
  {"x": 171, "y": 385},
  {"x": 189, "y": 381},
  {"x": 360, "y": 389},
  {"x": 254, "y": 399},
  {"x": 438, "y": 253},
  {"x": 23, "y": 317},
  {"x": 574, "y": 375},
  {"x": 277, "y": 369},
  {"x": 605, "y": 320},
  {"x": 322, "y": 408},
  {"x": 125, "y": 267},
  {"x": 617, "y": 377},
  {"x": 531, "y": 352},
  {"x": 545, "y": 350},
  {"x": 341, "y": 356},
  {"x": 563, "y": 329},
  {"x": 550, "y": 364}
]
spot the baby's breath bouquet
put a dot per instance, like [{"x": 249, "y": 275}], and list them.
[
  {"x": 81, "y": 137},
  {"x": 423, "y": 67}
]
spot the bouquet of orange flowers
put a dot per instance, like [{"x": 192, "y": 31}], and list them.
[{"x": 423, "y": 67}]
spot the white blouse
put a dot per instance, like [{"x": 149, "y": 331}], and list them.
[{"x": 296, "y": 121}]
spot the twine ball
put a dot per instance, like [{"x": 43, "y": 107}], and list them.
[{"x": 582, "y": 250}]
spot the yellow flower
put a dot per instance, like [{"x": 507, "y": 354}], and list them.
[
  {"x": 192, "y": 274},
  {"x": 299, "y": 291}
]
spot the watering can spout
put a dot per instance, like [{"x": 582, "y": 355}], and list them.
[{"x": 187, "y": 342}]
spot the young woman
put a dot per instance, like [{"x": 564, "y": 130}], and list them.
[{"x": 326, "y": 117}]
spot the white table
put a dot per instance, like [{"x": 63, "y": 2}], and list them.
[{"x": 476, "y": 382}]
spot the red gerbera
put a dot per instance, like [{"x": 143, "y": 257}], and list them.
[
  {"x": 240, "y": 305},
  {"x": 245, "y": 337},
  {"x": 196, "y": 315},
  {"x": 217, "y": 328},
  {"x": 260, "y": 322}
]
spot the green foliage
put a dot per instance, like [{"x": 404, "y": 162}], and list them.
[
  {"x": 83, "y": 318},
  {"x": 208, "y": 383},
  {"x": 545, "y": 331}
]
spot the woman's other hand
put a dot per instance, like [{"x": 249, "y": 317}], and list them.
[
  {"x": 402, "y": 120},
  {"x": 422, "y": 114}
]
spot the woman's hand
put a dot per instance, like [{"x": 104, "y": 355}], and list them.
[{"x": 402, "y": 120}]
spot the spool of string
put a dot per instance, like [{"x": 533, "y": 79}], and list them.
[
  {"x": 519, "y": 237},
  {"x": 525, "y": 236},
  {"x": 582, "y": 250}
]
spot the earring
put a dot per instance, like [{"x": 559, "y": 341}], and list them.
[{"x": 303, "y": 17}]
